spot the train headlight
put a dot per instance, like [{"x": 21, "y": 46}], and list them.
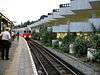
[
  {"x": 30, "y": 36},
  {"x": 24, "y": 36}
]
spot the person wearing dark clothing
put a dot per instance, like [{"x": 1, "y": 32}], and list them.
[
  {"x": 6, "y": 44},
  {"x": 18, "y": 36}
]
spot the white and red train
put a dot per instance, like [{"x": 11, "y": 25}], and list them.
[{"x": 24, "y": 32}]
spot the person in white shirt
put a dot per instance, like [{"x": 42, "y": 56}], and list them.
[{"x": 6, "y": 37}]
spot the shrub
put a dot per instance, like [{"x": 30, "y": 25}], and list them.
[
  {"x": 80, "y": 45},
  {"x": 67, "y": 40},
  {"x": 56, "y": 44},
  {"x": 96, "y": 41},
  {"x": 46, "y": 36},
  {"x": 97, "y": 55}
]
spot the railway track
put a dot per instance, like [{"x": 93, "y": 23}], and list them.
[{"x": 49, "y": 64}]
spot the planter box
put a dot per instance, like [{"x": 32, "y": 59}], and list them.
[
  {"x": 90, "y": 53},
  {"x": 55, "y": 42},
  {"x": 60, "y": 42},
  {"x": 71, "y": 49}
]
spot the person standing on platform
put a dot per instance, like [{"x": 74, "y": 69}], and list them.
[
  {"x": 13, "y": 35},
  {"x": 18, "y": 36},
  {"x": 6, "y": 42}
]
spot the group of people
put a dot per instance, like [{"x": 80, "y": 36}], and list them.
[{"x": 6, "y": 43}]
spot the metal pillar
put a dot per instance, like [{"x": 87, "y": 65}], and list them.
[{"x": 0, "y": 22}]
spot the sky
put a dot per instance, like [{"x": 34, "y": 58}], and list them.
[{"x": 23, "y": 10}]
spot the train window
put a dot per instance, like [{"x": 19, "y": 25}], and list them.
[{"x": 24, "y": 31}]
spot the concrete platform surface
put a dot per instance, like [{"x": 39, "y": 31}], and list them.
[{"x": 21, "y": 62}]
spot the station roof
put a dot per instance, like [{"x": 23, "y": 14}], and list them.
[
  {"x": 76, "y": 11},
  {"x": 5, "y": 19},
  {"x": 77, "y": 27},
  {"x": 95, "y": 4}
]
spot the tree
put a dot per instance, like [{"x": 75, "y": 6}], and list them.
[{"x": 47, "y": 36}]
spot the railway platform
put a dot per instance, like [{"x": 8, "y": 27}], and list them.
[{"x": 20, "y": 62}]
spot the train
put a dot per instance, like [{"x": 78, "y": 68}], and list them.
[{"x": 24, "y": 32}]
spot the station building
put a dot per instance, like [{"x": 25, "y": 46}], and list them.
[
  {"x": 76, "y": 16},
  {"x": 80, "y": 16}
]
